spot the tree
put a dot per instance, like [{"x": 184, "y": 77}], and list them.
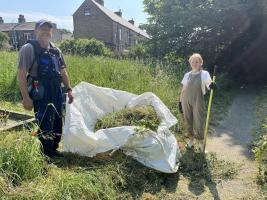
[
  {"x": 4, "y": 39},
  {"x": 138, "y": 52},
  {"x": 210, "y": 27},
  {"x": 64, "y": 31}
]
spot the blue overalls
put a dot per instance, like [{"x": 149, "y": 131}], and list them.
[{"x": 48, "y": 110}]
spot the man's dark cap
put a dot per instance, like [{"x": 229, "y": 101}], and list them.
[{"x": 42, "y": 23}]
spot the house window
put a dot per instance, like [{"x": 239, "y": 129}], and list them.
[
  {"x": 120, "y": 34},
  {"x": 27, "y": 36},
  {"x": 87, "y": 12},
  {"x": 243, "y": 1},
  {"x": 128, "y": 37}
]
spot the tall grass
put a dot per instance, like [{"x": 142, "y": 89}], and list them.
[
  {"x": 21, "y": 160},
  {"x": 66, "y": 184},
  {"x": 127, "y": 75},
  {"x": 8, "y": 79},
  {"x": 131, "y": 76}
]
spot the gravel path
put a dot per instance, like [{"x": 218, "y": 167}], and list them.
[{"x": 230, "y": 142}]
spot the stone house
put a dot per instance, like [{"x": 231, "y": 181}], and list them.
[
  {"x": 22, "y": 31},
  {"x": 93, "y": 20}
]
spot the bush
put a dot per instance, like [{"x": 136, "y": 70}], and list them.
[
  {"x": 260, "y": 146},
  {"x": 139, "y": 52},
  {"x": 4, "y": 39},
  {"x": 260, "y": 152},
  {"x": 85, "y": 47}
]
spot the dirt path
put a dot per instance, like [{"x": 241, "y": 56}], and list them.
[{"x": 230, "y": 141}]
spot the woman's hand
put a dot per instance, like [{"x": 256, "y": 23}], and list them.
[{"x": 213, "y": 86}]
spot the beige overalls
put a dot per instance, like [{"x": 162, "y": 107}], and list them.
[{"x": 194, "y": 107}]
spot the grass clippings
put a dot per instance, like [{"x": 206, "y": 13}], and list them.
[{"x": 141, "y": 116}]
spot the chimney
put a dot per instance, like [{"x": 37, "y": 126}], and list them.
[
  {"x": 101, "y": 2},
  {"x": 21, "y": 19},
  {"x": 119, "y": 13},
  {"x": 131, "y": 21},
  {"x": 54, "y": 26},
  {"x": 1, "y": 20}
]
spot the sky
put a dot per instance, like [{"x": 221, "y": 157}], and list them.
[{"x": 60, "y": 11}]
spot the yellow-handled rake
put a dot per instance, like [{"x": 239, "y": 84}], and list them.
[{"x": 209, "y": 109}]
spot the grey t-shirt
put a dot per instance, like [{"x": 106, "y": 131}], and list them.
[{"x": 27, "y": 60}]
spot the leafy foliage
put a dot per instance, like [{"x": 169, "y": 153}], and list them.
[
  {"x": 85, "y": 47},
  {"x": 260, "y": 152},
  {"x": 4, "y": 39},
  {"x": 138, "y": 52},
  {"x": 221, "y": 30},
  {"x": 64, "y": 31},
  {"x": 260, "y": 146}
]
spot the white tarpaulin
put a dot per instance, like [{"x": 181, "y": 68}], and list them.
[{"x": 157, "y": 150}]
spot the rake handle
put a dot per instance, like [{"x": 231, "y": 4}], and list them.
[{"x": 209, "y": 108}]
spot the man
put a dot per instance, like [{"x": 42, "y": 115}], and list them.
[{"x": 41, "y": 70}]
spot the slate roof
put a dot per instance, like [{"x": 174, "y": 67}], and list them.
[
  {"x": 7, "y": 26},
  {"x": 27, "y": 26},
  {"x": 114, "y": 17}
]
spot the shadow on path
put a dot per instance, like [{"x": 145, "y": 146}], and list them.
[
  {"x": 235, "y": 133},
  {"x": 195, "y": 167}
]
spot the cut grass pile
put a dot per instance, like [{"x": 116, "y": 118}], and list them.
[{"x": 142, "y": 116}]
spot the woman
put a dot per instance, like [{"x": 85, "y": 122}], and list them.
[{"x": 195, "y": 84}]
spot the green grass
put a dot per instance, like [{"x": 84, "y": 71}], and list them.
[
  {"x": 22, "y": 160},
  {"x": 260, "y": 145},
  {"x": 66, "y": 184},
  {"x": 142, "y": 116},
  {"x": 102, "y": 177},
  {"x": 127, "y": 75},
  {"x": 131, "y": 76},
  {"x": 26, "y": 174},
  {"x": 8, "y": 79}
]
